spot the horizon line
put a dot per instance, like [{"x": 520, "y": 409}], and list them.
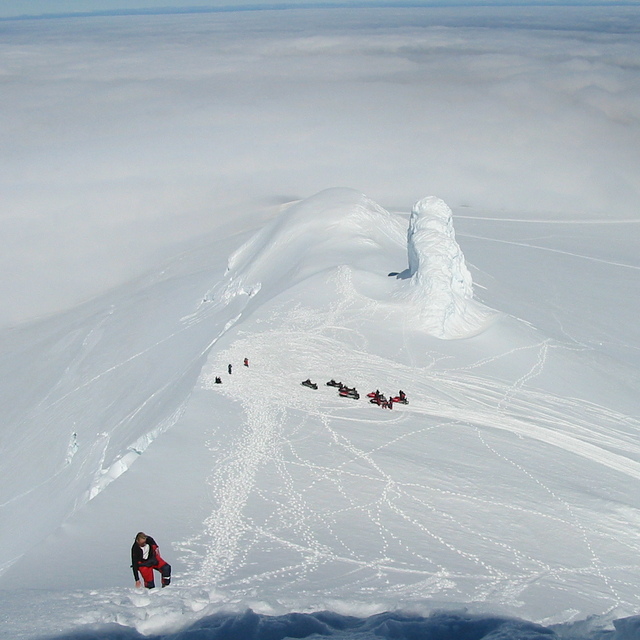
[{"x": 341, "y": 4}]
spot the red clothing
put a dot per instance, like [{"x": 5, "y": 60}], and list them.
[
  {"x": 145, "y": 567},
  {"x": 147, "y": 574}
]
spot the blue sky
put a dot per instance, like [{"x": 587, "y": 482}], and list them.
[{"x": 16, "y": 8}]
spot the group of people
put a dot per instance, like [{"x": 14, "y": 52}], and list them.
[
  {"x": 375, "y": 397},
  {"x": 218, "y": 379}
]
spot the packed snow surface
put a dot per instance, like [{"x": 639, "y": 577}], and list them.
[{"x": 507, "y": 489}]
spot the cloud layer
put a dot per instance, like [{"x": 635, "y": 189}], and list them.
[{"x": 124, "y": 139}]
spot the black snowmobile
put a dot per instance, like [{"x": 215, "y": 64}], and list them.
[
  {"x": 333, "y": 383},
  {"x": 308, "y": 383}
]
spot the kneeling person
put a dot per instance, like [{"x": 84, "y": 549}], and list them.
[{"x": 145, "y": 557}]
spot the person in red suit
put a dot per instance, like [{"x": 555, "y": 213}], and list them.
[{"x": 145, "y": 557}]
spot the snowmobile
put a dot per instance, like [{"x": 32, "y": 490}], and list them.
[
  {"x": 377, "y": 398},
  {"x": 333, "y": 383},
  {"x": 308, "y": 383},
  {"x": 401, "y": 398},
  {"x": 345, "y": 392}
]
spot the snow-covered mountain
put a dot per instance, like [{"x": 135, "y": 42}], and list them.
[{"x": 508, "y": 485}]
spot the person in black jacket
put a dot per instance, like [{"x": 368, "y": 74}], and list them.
[{"x": 145, "y": 557}]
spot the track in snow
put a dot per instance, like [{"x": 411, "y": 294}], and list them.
[{"x": 457, "y": 495}]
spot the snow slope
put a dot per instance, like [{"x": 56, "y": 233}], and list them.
[{"x": 508, "y": 485}]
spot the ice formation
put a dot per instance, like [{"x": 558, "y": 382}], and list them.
[
  {"x": 440, "y": 283},
  {"x": 340, "y": 228}
]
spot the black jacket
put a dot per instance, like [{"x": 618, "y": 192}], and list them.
[{"x": 138, "y": 561}]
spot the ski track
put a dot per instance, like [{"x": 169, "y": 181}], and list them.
[
  {"x": 543, "y": 221},
  {"x": 550, "y": 250},
  {"x": 273, "y": 401}
]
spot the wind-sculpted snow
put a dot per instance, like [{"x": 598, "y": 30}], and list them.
[
  {"x": 333, "y": 228},
  {"x": 342, "y": 227},
  {"x": 441, "y": 284}
]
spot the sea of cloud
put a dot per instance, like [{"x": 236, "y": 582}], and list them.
[{"x": 125, "y": 139}]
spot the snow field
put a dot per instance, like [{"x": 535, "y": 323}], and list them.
[
  {"x": 455, "y": 421},
  {"x": 502, "y": 487}
]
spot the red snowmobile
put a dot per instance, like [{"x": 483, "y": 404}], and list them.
[
  {"x": 376, "y": 398},
  {"x": 401, "y": 398},
  {"x": 346, "y": 392}
]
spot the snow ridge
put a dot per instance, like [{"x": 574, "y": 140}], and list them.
[
  {"x": 342, "y": 227},
  {"x": 335, "y": 227}
]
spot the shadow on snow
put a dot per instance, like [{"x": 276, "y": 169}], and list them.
[{"x": 388, "y": 626}]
